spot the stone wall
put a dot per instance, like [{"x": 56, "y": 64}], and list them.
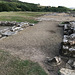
[{"x": 13, "y": 27}]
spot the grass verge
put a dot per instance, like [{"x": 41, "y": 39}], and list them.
[
  {"x": 10, "y": 65},
  {"x": 20, "y": 16}
]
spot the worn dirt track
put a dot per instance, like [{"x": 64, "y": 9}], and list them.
[{"x": 36, "y": 42}]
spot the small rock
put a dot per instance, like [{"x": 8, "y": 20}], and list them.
[
  {"x": 58, "y": 59},
  {"x": 31, "y": 24},
  {"x": 54, "y": 61}
]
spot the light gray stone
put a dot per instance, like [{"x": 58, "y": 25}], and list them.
[
  {"x": 64, "y": 71},
  {"x": 31, "y": 24},
  {"x": 8, "y": 33}
]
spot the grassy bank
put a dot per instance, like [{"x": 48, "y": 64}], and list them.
[
  {"x": 10, "y": 65},
  {"x": 20, "y": 16}
]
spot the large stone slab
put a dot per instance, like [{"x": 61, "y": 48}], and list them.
[
  {"x": 64, "y": 71},
  {"x": 8, "y": 33}
]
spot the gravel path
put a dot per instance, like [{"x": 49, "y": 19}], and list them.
[{"x": 35, "y": 42}]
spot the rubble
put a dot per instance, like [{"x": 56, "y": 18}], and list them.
[
  {"x": 68, "y": 48},
  {"x": 13, "y": 28},
  {"x": 68, "y": 43},
  {"x": 8, "y": 23}
]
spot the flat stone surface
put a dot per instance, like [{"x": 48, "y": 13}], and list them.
[
  {"x": 8, "y": 33},
  {"x": 65, "y": 71}
]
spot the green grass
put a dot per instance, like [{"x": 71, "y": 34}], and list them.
[
  {"x": 18, "y": 19},
  {"x": 10, "y": 65},
  {"x": 20, "y": 16}
]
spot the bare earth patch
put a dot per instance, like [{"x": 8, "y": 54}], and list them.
[{"x": 37, "y": 42}]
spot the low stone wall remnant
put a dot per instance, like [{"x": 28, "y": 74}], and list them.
[{"x": 12, "y": 27}]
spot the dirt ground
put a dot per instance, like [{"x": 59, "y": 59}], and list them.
[{"x": 39, "y": 41}]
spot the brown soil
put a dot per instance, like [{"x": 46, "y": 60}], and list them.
[{"x": 37, "y": 42}]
